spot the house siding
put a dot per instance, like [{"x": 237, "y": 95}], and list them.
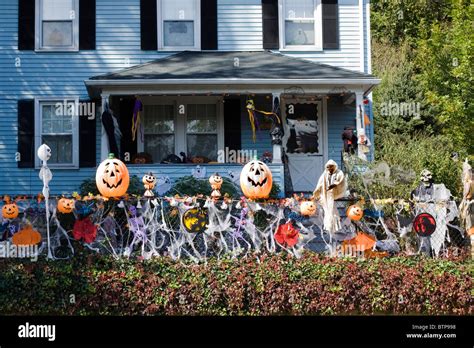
[{"x": 62, "y": 75}]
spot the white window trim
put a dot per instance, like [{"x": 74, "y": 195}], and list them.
[
  {"x": 39, "y": 30},
  {"x": 75, "y": 133},
  {"x": 197, "y": 30},
  {"x": 318, "y": 29},
  {"x": 180, "y": 133}
]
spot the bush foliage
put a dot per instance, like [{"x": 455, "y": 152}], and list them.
[{"x": 274, "y": 284}]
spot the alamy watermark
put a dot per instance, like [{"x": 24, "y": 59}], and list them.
[
  {"x": 235, "y": 156},
  {"x": 9, "y": 250},
  {"x": 75, "y": 108},
  {"x": 400, "y": 109}
]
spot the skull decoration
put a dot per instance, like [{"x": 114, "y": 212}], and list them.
[
  {"x": 426, "y": 177},
  {"x": 149, "y": 181},
  {"x": 112, "y": 178},
  {"x": 44, "y": 152},
  {"x": 216, "y": 181},
  {"x": 256, "y": 180}
]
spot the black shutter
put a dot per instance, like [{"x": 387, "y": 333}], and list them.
[
  {"x": 270, "y": 24},
  {"x": 209, "y": 24},
  {"x": 148, "y": 25},
  {"x": 232, "y": 123},
  {"x": 330, "y": 24},
  {"x": 87, "y": 24},
  {"x": 87, "y": 137},
  {"x": 26, "y": 24},
  {"x": 26, "y": 133}
]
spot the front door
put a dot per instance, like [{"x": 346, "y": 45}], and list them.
[{"x": 304, "y": 142}]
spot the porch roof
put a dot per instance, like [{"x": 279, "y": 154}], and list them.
[{"x": 219, "y": 68}]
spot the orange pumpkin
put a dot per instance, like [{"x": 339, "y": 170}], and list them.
[
  {"x": 470, "y": 232},
  {"x": 10, "y": 211},
  {"x": 307, "y": 208},
  {"x": 65, "y": 205},
  {"x": 112, "y": 178},
  {"x": 256, "y": 180},
  {"x": 26, "y": 236},
  {"x": 216, "y": 181},
  {"x": 354, "y": 212}
]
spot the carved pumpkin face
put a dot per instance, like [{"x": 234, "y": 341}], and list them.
[
  {"x": 149, "y": 180},
  {"x": 65, "y": 205},
  {"x": 195, "y": 220},
  {"x": 215, "y": 181},
  {"x": 26, "y": 236},
  {"x": 10, "y": 211},
  {"x": 256, "y": 180},
  {"x": 354, "y": 212},
  {"x": 112, "y": 178},
  {"x": 307, "y": 208}
]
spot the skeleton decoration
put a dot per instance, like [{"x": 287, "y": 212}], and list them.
[
  {"x": 331, "y": 186},
  {"x": 424, "y": 191},
  {"x": 44, "y": 154},
  {"x": 149, "y": 181}
]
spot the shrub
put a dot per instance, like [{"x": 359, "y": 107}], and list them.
[{"x": 89, "y": 186}]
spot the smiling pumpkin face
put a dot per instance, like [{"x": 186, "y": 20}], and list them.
[
  {"x": 10, "y": 211},
  {"x": 216, "y": 181},
  {"x": 112, "y": 178},
  {"x": 65, "y": 206},
  {"x": 354, "y": 212},
  {"x": 256, "y": 180},
  {"x": 149, "y": 180},
  {"x": 307, "y": 208}
]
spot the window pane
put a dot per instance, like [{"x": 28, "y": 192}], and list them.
[
  {"x": 178, "y": 33},
  {"x": 299, "y": 9},
  {"x": 201, "y": 118},
  {"x": 159, "y": 119},
  {"x": 61, "y": 148},
  {"x": 178, "y": 9},
  {"x": 202, "y": 146},
  {"x": 57, "y": 9},
  {"x": 159, "y": 146},
  {"x": 57, "y": 34},
  {"x": 299, "y": 32}
]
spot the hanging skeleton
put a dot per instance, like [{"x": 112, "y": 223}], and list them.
[{"x": 44, "y": 154}]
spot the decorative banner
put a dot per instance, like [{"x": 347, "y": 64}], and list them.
[
  {"x": 195, "y": 220},
  {"x": 424, "y": 224}
]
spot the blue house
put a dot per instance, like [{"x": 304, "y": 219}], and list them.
[{"x": 177, "y": 78}]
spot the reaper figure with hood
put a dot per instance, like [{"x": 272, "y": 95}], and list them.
[{"x": 331, "y": 186}]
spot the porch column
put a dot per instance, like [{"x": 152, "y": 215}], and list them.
[
  {"x": 104, "y": 144},
  {"x": 276, "y": 144},
  {"x": 360, "y": 123}
]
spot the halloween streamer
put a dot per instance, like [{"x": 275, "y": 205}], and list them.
[
  {"x": 136, "y": 121},
  {"x": 251, "y": 110}
]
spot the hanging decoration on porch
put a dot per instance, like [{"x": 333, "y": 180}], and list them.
[
  {"x": 112, "y": 178},
  {"x": 149, "y": 181},
  {"x": 136, "y": 121},
  {"x": 331, "y": 186},
  {"x": 254, "y": 124},
  {"x": 111, "y": 126},
  {"x": 44, "y": 154},
  {"x": 256, "y": 180}
]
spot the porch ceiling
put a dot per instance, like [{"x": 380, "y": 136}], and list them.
[{"x": 214, "y": 69}]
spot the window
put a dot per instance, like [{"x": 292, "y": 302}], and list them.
[
  {"x": 190, "y": 125},
  {"x": 300, "y": 24},
  {"x": 178, "y": 24},
  {"x": 57, "y": 25},
  {"x": 58, "y": 127}
]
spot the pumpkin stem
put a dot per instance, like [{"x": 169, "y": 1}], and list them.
[{"x": 111, "y": 155}]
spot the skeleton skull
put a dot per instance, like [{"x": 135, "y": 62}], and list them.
[
  {"x": 426, "y": 177},
  {"x": 44, "y": 152}
]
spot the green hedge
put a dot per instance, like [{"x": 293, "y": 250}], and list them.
[{"x": 267, "y": 285}]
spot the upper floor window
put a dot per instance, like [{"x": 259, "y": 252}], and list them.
[
  {"x": 57, "y": 25},
  {"x": 179, "y": 24},
  {"x": 300, "y": 24}
]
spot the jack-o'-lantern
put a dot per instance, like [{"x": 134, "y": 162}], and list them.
[
  {"x": 10, "y": 211},
  {"x": 112, "y": 178},
  {"x": 354, "y": 212},
  {"x": 307, "y": 208},
  {"x": 26, "y": 236},
  {"x": 216, "y": 181},
  {"x": 65, "y": 205},
  {"x": 470, "y": 232},
  {"x": 195, "y": 220},
  {"x": 256, "y": 180},
  {"x": 149, "y": 180}
]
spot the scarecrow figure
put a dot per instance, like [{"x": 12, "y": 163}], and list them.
[{"x": 331, "y": 186}]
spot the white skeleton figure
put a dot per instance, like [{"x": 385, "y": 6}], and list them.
[
  {"x": 331, "y": 186},
  {"x": 44, "y": 154}
]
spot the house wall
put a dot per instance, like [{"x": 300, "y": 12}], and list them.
[{"x": 118, "y": 46}]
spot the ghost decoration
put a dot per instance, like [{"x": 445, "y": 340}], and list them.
[
  {"x": 331, "y": 186},
  {"x": 149, "y": 181},
  {"x": 199, "y": 172},
  {"x": 163, "y": 185},
  {"x": 44, "y": 154}
]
